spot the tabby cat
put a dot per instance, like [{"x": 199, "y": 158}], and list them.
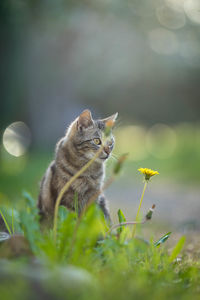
[{"x": 80, "y": 143}]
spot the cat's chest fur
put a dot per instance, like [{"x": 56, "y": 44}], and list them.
[{"x": 85, "y": 186}]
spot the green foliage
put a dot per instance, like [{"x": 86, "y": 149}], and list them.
[
  {"x": 10, "y": 218},
  {"x": 87, "y": 261},
  {"x": 29, "y": 222},
  {"x": 91, "y": 228}
]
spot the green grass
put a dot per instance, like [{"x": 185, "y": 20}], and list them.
[{"x": 91, "y": 262}]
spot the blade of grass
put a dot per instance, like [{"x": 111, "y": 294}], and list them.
[
  {"x": 7, "y": 226},
  {"x": 76, "y": 203},
  {"x": 13, "y": 229}
]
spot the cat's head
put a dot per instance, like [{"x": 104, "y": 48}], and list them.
[{"x": 87, "y": 134}]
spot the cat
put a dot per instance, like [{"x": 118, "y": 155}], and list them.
[{"x": 82, "y": 140}]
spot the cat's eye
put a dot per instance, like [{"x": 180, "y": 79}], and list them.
[{"x": 97, "y": 141}]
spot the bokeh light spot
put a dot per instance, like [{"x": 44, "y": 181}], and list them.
[
  {"x": 170, "y": 18},
  {"x": 192, "y": 10},
  {"x": 175, "y": 4},
  {"x": 190, "y": 50},
  {"x": 17, "y": 138},
  {"x": 163, "y": 41},
  {"x": 161, "y": 141},
  {"x": 130, "y": 139}
]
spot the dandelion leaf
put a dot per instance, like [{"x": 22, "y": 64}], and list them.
[
  {"x": 162, "y": 239},
  {"x": 177, "y": 249}
]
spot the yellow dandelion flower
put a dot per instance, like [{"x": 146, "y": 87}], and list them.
[{"x": 148, "y": 172}]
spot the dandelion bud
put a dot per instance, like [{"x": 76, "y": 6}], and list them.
[
  {"x": 119, "y": 163},
  {"x": 150, "y": 213}
]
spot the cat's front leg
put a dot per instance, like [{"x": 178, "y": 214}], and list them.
[{"x": 104, "y": 206}]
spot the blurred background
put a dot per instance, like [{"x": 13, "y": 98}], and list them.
[{"x": 138, "y": 57}]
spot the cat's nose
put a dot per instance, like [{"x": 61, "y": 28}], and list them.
[
  {"x": 107, "y": 150},
  {"x": 111, "y": 147}
]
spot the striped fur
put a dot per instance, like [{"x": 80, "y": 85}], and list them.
[{"x": 72, "y": 152}]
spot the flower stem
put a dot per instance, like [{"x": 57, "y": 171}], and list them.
[{"x": 134, "y": 227}]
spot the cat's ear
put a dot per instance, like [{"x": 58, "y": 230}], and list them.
[
  {"x": 111, "y": 118},
  {"x": 84, "y": 120}
]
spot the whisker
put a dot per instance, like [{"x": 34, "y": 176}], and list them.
[
  {"x": 118, "y": 124},
  {"x": 113, "y": 157}
]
